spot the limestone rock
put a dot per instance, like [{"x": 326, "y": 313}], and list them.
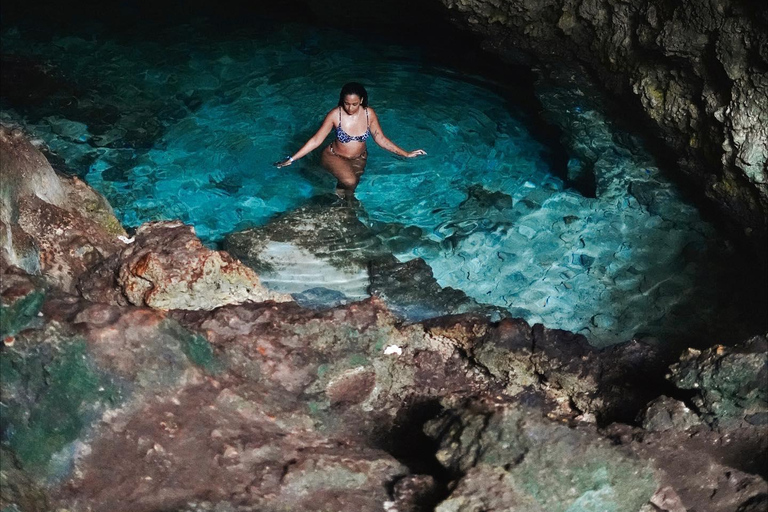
[
  {"x": 515, "y": 451},
  {"x": 415, "y": 493},
  {"x": 51, "y": 225},
  {"x": 167, "y": 267},
  {"x": 606, "y": 384},
  {"x": 731, "y": 383},
  {"x": 697, "y": 68},
  {"x": 701, "y": 469},
  {"x": 21, "y": 298},
  {"x": 665, "y": 413},
  {"x": 270, "y": 406},
  {"x": 491, "y": 489}
]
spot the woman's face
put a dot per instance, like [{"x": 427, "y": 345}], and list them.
[{"x": 352, "y": 103}]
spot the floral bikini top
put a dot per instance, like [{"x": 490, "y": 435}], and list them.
[{"x": 344, "y": 137}]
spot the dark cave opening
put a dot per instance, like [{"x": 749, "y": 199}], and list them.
[{"x": 407, "y": 442}]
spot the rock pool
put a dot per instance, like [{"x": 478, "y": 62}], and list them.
[{"x": 184, "y": 125}]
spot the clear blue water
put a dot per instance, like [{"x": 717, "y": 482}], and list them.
[{"x": 187, "y": 128}]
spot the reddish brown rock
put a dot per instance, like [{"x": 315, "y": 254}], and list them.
[
  {"x": 49, "y": 224},
  {"x": 167, "y": 267},
  {"x": 269, "y": 406},
  {"x": 702, "y": 469}
]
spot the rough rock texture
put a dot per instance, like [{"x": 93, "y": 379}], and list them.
[
  {"x": 698, "y": 68},
  {"x": 167, "y": 267},
  {"x": 603, "y": 385},
  {"x": 731, "y": 383},
  {"x": 273, "y": 407},
  {"x": 665, "y": 413},
  {"x": 702, "y": 469},
  {"x": 508, "y": 453},
  {"x": 50, "y": 224},
  {"x": 110, "y": 406}
]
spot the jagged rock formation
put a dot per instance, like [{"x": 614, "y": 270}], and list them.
[
  {"x": 699, "y": 69},
  {"x": 505, "y": 455},
  {"x": 731, "y": 383},
  {"x": 50, "y": 224},
  {"x": 274, "y": 407}
]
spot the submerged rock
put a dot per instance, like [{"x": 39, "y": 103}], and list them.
[
  {"x": 167, "y": 267},
  {"x": 324, "y": 251}
]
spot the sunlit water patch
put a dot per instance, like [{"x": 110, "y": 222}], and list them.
[{"x": 188, "y": 128}]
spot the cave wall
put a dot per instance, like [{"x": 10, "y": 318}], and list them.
[{"x": 698, "y": 68}]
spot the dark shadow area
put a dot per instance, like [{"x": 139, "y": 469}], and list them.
[
  {"x": 741, "y": 285},
  {"x": 407, "y": 442}
]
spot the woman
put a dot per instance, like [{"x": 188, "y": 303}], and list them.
[{"x": 345, "y": 157}]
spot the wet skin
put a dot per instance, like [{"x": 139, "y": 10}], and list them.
[{"x": 346, "y": 161}]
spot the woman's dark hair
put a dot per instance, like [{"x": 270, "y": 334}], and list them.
[{"x": 354, "y": 88}]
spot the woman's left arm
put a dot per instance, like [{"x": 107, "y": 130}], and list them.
[{"x": 384, "y": 142}]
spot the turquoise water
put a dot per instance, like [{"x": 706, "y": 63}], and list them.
[{"x": 186, "y": 127}]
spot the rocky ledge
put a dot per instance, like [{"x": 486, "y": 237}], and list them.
[{"x": 157, "y": 374}]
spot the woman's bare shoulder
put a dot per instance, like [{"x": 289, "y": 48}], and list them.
[{"x": 332, "y": 115}]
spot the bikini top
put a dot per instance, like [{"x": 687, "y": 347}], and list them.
[{"x": 344, "y": 137}]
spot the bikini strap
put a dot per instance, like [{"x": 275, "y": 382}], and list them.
[
  {"x": 339, "y": 117},
  {"x": 367, "y": 120}
]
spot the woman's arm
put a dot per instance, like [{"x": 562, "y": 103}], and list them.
[
  {"x": 384, "y": 142},
  {"x": 313, "y": 142}
]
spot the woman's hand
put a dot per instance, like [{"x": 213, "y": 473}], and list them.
[
  {"x": 282, "y": 163},
  {"x": 416, "y": 152}
]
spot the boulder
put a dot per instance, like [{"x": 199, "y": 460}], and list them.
[
  {"x": 665, "y": 413},
  {"x": 730, "y": 383},
  {"x": 604, "y": 385},
  {"x": 167, "y": 267},
  {"x": 509, "y": 458},
  {"x": 51, "y": 225},
  {"x": 700, "y": 468}
]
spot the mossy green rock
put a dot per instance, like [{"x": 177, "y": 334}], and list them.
[
  {"x": 52, "y": 392},
  {"x": 731, "y": 382},
  {"x": 20, "y": 314},
  {"x": 537, "y": 461},
  {"x": 55, "y": 387}
]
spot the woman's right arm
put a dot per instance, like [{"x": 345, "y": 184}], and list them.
[{"x": 313, "y": 142}]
